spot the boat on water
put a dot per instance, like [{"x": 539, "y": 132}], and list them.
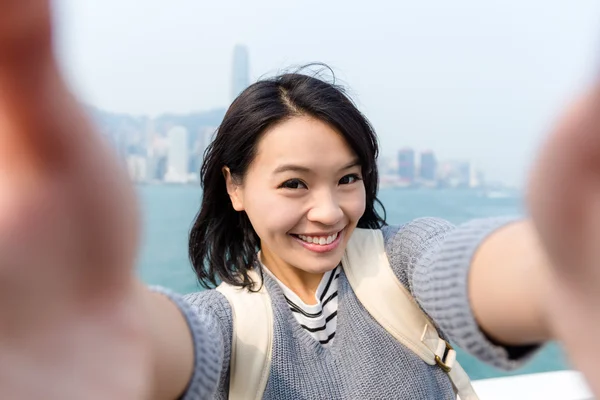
[{"x": 558, "y": 385}]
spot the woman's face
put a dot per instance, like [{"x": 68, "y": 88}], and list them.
[{"x": 303, "y": 194}]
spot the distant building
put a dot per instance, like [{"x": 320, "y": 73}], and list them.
[
  {"x": 240, "y": 76},
  {"x": 459, "y": 174},
  {"x": 160, "y": 168},
  {"x": 428, "y": 166},
  {"x": 195, "y": 160},
  {"x": 386, "y": 165},
  {"x": 138, "y": 168},
  {"x": 149, "y": 134},
  {"x": 464, "y": 173},
  {"x": 158, "y": 152},
  {"x": 178, "y": 156},
  {"x": 406, "y": 164},
  {"x": 445, "y": 172},
  {"x": 204, "y": 136},
  {"x": 476, "y": 178}
]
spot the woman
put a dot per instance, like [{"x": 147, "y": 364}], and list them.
[{"x": 292, "y": 172}]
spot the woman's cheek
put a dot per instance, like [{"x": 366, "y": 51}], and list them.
[
  {"x": 275, "y": 212},
  {"x": 354, "y": 204}
]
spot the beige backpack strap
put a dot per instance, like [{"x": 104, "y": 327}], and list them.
[
  {"x": 369, "y": 273},
  {"x": 252, "y": 340}
]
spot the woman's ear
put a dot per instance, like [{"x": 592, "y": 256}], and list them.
[{"x": 234, "y": 190}]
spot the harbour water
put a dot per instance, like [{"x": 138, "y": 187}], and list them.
[{"x": 169, "y": 211}]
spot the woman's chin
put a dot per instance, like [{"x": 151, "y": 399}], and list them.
[{"x": 319, "y": 265}]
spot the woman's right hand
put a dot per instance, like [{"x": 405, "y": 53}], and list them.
[{"x": 71, "y": 325}]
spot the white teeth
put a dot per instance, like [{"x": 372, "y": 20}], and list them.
[{"x": 320, "y": 240}]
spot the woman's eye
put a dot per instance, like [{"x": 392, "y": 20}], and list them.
[
  {"x": 348, "y": 179},
  {"x": 293, "y": 184}
]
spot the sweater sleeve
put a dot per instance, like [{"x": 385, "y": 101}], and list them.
[
  {"x": 215, "y": 304},
  {"x": 432, "y": 257},
  {"x": 208, "y": 347}
]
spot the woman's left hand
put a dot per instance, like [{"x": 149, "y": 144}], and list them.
[{"x": 564, "y": 201}]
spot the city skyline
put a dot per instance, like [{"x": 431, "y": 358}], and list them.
[
  {"x": 169, "y": 151},
  {"x": 172, "y": 150},
  {"x": 470, "y": 79},
  {"x": 175, "y": 158}
]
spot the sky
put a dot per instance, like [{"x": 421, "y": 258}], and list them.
[{"x": 470, "y": 79}]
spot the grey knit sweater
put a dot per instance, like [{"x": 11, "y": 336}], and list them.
[{"x": 431, "y": 257}]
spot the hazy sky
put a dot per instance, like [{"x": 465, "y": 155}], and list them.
[{"x": 481, "y": 80}]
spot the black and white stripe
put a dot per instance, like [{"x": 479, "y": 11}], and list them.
[{"x": 320, "y": 319}]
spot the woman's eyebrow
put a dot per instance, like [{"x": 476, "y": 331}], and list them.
[{"x": 299, "y": 168}]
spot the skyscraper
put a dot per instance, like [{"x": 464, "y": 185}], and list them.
[
  {"x": 178, "y": 158},
  {"x": 240, "y": 74},
  {"x": 428, "y": 167},
  {"x": 406, "y": 164}
]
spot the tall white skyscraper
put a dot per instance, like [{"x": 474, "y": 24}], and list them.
[
  {"x": 240, "y": 77},
  {"x": 178, "y": 156}
]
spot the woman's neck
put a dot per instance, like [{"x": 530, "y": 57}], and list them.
[{"x": 302, "y": 283}]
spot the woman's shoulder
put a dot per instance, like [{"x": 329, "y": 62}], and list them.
[
  {"x": 406, "y": 243},
  {"x": 210, "y": 301},
  {"x": 416, "y": 233},
  {"x": 213, "y": 303}
]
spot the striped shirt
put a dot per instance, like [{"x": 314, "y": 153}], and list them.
[{"x": 320, "y": 319}]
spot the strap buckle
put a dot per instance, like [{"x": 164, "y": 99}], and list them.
[{"x": 441, "y": 363}]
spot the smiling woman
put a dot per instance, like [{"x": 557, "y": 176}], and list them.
[{"x": 288, "y": 180}]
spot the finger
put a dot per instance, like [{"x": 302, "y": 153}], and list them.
[
  {"x": 25, "y": 31},
  {"x": 41, "y": 123}
]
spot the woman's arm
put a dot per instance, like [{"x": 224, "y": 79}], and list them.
[
  {"x": 171, "y": 343},
  {"x": 433, "y": 259},
  {"x": 508, "y": 284},
  {"x": 74, "y": 321},
  {"x": 188, "y": 343}
]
